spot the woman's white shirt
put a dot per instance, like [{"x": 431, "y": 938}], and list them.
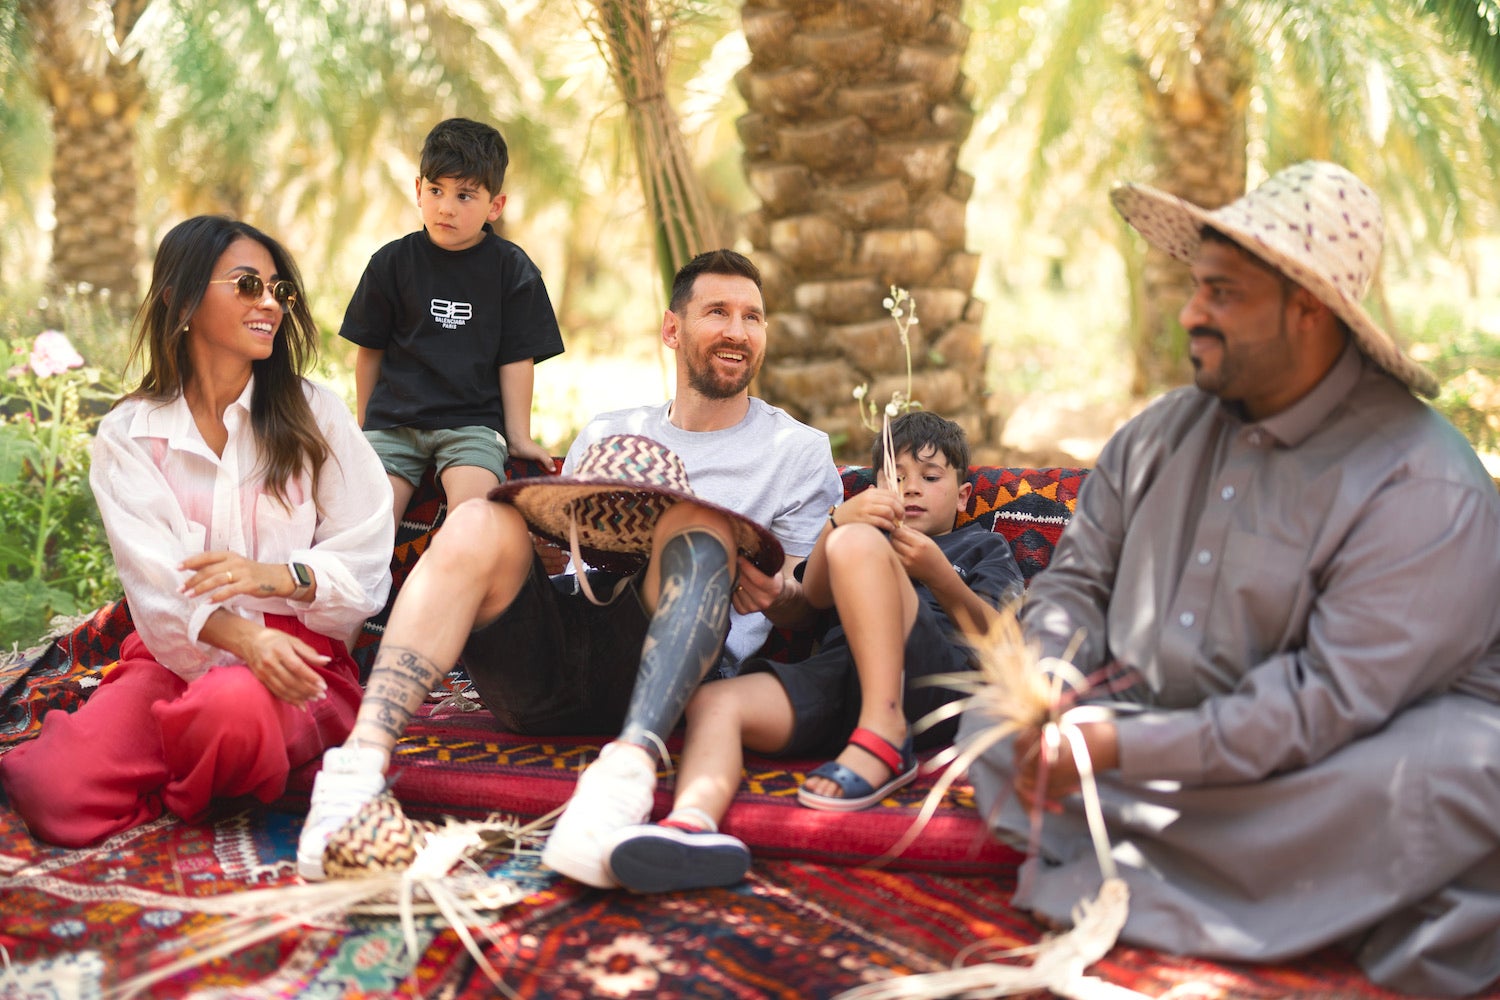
[{"x": 164, "y": 495}]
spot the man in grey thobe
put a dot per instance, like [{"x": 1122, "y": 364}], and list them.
[{"x": 1294, "y": 566}]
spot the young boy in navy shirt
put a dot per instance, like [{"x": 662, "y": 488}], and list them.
[
  {"x": 450, "y": 322},
  {"x": 904, "y": 584}
]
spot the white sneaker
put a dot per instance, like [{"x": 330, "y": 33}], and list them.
[
  {"x": 614, "y": 792},
  {"x": 351, "y": 776}
]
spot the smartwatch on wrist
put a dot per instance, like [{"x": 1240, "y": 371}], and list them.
[{"x": 302, "y": 577}]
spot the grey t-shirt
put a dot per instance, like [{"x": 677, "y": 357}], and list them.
[{"x": 770, "y": 467}]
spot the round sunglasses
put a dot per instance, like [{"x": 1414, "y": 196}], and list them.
[{"x": 250, "y": 288}]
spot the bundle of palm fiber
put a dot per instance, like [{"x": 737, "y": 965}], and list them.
[
  {"x": 380, "y": 863},
  {"x": 1022, "y": 692}
]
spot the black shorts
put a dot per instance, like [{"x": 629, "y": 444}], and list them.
[
  {"x": 554, "y": 663},
  {"x": 825, "y": 695}
]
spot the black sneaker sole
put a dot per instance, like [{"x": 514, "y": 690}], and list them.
[{"x": 666, "y": 859}]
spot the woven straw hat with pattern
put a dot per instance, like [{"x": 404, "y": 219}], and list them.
[
  {"x": 1315, "y": 222},
  {"x": 620, "y": 486}
]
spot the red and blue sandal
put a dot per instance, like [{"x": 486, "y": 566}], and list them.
[{"x": 859, "y": 793}]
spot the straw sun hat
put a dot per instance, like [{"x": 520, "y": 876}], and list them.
[
  {"x": 1314, "y": 222},
  {"x": 620, "y": 486}
]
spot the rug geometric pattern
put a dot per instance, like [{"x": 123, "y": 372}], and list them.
[{"x": 78, "y": 922}]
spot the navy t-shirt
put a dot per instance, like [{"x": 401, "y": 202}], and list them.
[{"x": 447, "y": 320}]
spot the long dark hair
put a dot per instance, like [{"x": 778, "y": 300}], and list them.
[{"x": 280, "y": 416}]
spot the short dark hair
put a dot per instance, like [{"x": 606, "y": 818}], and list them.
[
  {"x": 713, "y": 262},
  {"x": 916, "y": 432},
  {"x": 468, "y": 150}
]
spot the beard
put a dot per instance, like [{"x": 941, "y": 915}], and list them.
[{"x": 702, "y": 379}]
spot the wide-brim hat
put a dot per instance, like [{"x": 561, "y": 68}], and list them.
[
  {"x": 1314, "y": 222},
  {"x": 616, "y": 492}
]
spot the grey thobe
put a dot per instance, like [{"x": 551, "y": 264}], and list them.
[{"x": 1308, "y": 609}]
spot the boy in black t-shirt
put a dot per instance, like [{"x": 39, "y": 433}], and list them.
[
  {"x": 903, "y": 583},
  {"x": 450, "y": 323}
]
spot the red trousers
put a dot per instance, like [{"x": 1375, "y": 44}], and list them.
[{"x": 147, "y": 741}]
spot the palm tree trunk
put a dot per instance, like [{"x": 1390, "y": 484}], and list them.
[
  {"x": 857, "y": 110},
  {"x": 1195, "y": 98},
  {"x": 95, "y": 94}
]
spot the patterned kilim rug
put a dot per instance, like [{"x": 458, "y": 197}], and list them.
[{"x": 77, "y": 923}]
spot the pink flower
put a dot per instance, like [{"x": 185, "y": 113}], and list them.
[{"x": 52, "y": 354}]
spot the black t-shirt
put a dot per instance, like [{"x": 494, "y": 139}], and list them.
[{"x": 447, "y": 320}]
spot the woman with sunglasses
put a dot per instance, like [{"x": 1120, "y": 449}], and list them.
[{"x": 250, "y": 524}]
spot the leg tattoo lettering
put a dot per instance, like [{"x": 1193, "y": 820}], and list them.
[{"x": 399, "y": 682}]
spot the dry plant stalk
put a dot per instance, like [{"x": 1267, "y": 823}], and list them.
[
  {"x": 1021, "y": 691},
  {"x": 903, "y": 310},
  {"x": 634, "y": 37},
  {"x": 410, "y": 867},
  {"x": 887, "y": 478}
]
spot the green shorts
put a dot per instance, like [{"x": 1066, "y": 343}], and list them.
[{"x": 408, "y": 451}]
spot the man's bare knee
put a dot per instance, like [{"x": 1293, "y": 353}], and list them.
[
  {"x": 687, "y": 516},
  {"x": 477, "y": 536}
]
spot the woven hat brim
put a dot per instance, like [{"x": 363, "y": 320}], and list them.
[
  {"x": 1172, "y": 225},
  {"x": 615, "y": 520}
]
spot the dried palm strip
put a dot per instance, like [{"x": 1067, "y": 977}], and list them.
[
  {"x": 1022, "y": 691},
  {"x": 407, "y": 868}
]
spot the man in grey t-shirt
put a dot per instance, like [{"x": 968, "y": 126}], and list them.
[{"x": 547, "y": 659}]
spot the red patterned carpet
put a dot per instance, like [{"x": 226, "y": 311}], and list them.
[{"x": 76, "y": 923}]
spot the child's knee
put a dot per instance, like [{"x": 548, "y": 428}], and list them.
[
  {"x": 855, "y": 545},
  {"x": 713, "y": 701}
]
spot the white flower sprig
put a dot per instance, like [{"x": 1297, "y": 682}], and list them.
[{"x": 903, "y": 310}]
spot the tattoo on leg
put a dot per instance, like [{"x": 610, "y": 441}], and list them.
[
  {"x": 685, "y": 635},
  {"x": 399, "y": 682}
]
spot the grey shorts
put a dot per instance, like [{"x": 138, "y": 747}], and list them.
[
  {"x": 407, "y": 451},
  {"x": 554, "y": 663},
  {"x": 825, "y": 695}
]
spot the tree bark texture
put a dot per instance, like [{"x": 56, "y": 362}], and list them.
[
  {"x": 857, "y": 111},
  {"x": 1196, "y": 93},
  {"x": 96, "y": 93}
]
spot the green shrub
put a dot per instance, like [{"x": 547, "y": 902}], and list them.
[{"x": 54, "y": 556}]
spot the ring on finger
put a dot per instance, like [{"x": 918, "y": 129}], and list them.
[{"x": 228, "y": 575}]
